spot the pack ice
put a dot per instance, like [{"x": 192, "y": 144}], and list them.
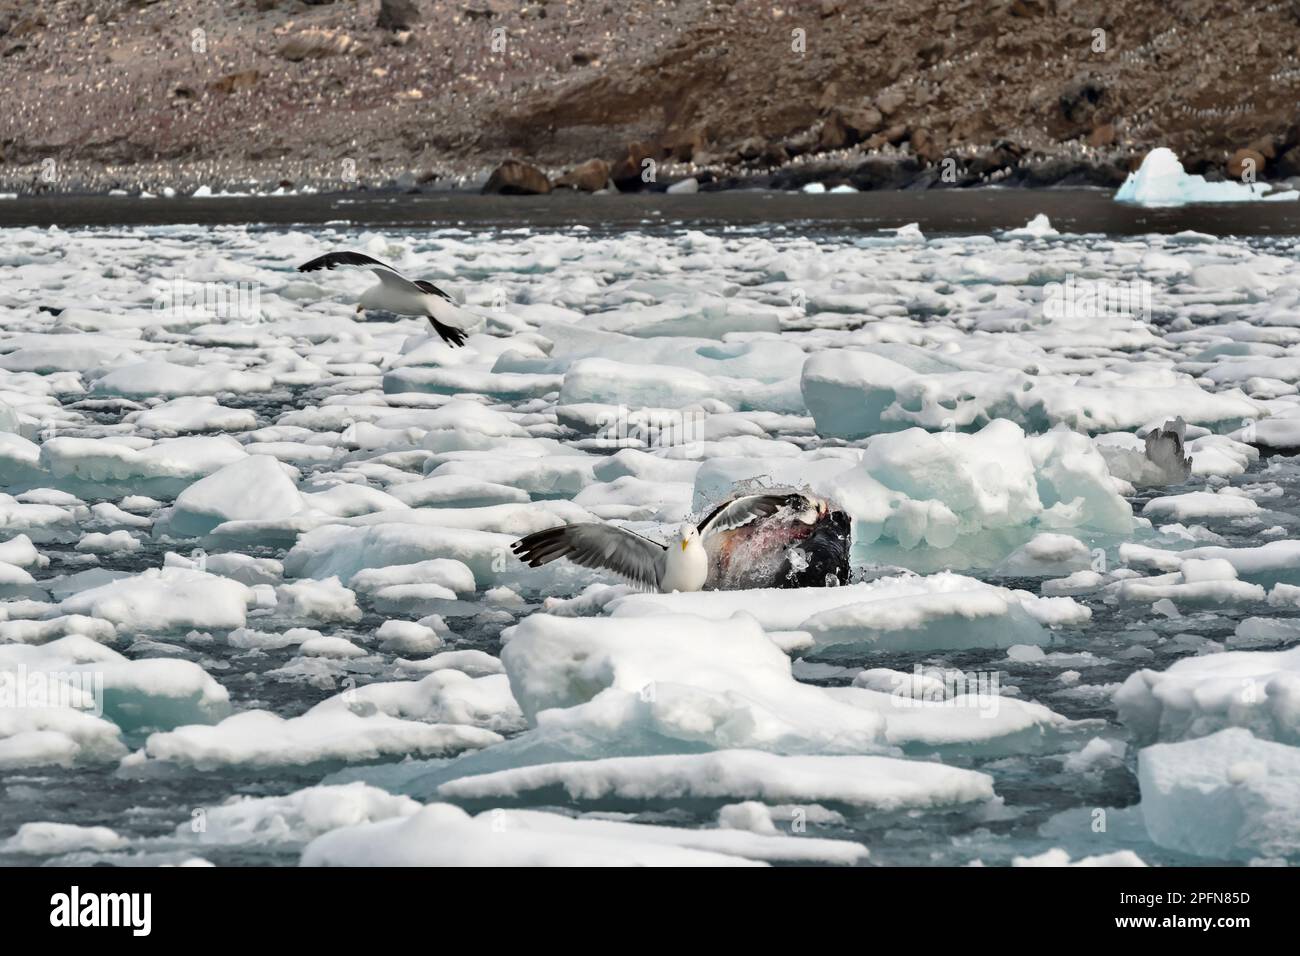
[{"x": 257, "y": 592}]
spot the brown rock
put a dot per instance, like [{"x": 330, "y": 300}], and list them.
[
  {"x": 708, "y": 157},
  {"x": 1103, "y": 135},
  {"x": 1266, "y": 146},
  {"x": 234, "y": 82},
  {"x": 25, "y": 26},
  {"x": 397, "y": 15},
  {"x": 830, "y": 96},
  {"x": 862, "y": 121},
  {"x": 834, "y": 134},
  {"x": 627, "y": 172},
  {"x": 925, "y": 147},
  {"x": 588, "y": 177},
  {"x": 775, "y": 155},
  {"x": 513, "y": 178},
  {"x": 890, "y": 101},
  {"x": 1243, "y": 160},
  {"x": 1026, "y": 8},
  {"x": 314, "y": 44},
  {"x": 1288, "y": 164},
  {"x": 755, "y": 150},
  {"x": 1207, "y": 163},
  {"x": 803, "y": 142},
  {"x": 682, "y": 145},
  {"x": 1079, "y": 99}
]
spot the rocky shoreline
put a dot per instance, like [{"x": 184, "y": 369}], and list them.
[
  {"x": 845, "y": 169},
  {"x": 170, "y": 97}
]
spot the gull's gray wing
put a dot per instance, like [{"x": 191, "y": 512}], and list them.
[
  {"x": 746, "y": 508},
  {"x": 592, "y": 545}
]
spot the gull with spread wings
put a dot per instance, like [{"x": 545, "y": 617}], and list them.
[
  {"x": 682, "y": 564},
  {"x": 397, "y": 294}
]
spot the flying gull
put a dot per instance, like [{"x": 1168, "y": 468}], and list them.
[
  {"x": 397, "y": 294},
  {"x": 687, "y": 562}
]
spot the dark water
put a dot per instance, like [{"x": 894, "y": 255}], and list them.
[{"x": 943, "y": 211}]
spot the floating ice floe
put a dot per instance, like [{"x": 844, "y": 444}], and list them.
[
  {"x": 882, "y": 388},
  {"x": 1265, "y": 565},
  {"x": 944, "y": 611},
  {"x": 1047, "y": 554},
  {"x": 592, "y": 687},
  {"x": 1162, "y": 181},
  {"x": 149, "y": 379},
  {"x": 343, "y": 551},
  {"x": 295, "y": 818},
  {"x": 54, "y": 839},
  {"x": 1200, "y": 505},
  {"x": 444, "y": 835},
  {"x": 1040, "y": 227},
  {"x": 445, "y": 696},
  {"x": 712, "y": 317},
  {"x": 1228, "y": 796},
  {"x": 884, "y": 784},
  {"x": 323, "y": 735},
  {"x": 954, "y": 500},
  {"x": 246, "y": 570},
  {"x": 166, "y": 599},
  {"x": 108, "y": 467},
  {"x": 78, "y": 672},
  {"x": 1059, "y": 857},
  {"x": 1208, "y": 581},
  {"x": 471, "y": 662},
  {"x": 1197, "y": 696},
  {"x": 687, "y": 679},
  {"x": 192, "y": 414}
]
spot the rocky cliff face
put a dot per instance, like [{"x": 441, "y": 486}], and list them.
[{"x": 411, "y": 92}]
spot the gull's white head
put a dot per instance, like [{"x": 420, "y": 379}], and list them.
[
  {"x": 687, "y": 536},
  {"x": 687, "y": 564}
]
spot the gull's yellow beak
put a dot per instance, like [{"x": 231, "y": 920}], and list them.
[{"x": 683, "y": 544}]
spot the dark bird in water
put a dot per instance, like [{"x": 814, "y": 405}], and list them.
[
  {"x": 1164, "y": 449},
  {"x": 775, "y": 539},
  {"x": 402, "y": 296}
]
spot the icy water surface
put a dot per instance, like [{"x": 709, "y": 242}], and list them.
[
  {"x": 941, "y": 211},
  {"x": 1023, "y": 470}
]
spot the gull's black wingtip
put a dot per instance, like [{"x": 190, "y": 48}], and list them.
[
  {"x": 320, "y": 262},
  {"x": 536, "y": 549},
  {"x": 450, "y": 334},
  {"x": 332, "y": 259}
]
